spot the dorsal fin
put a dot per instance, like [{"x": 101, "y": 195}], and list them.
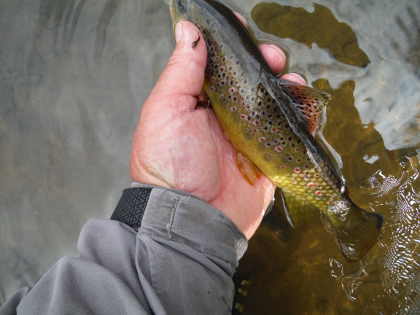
[
  {"x": 299, "y": 126},
  {"x": 309, "y": 102}
]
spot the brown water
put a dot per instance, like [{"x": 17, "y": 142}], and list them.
[{"x": 300, "y": 271}]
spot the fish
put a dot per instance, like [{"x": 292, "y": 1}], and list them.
[{"x": 272, "y": 122}]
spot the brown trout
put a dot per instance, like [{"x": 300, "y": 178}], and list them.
[{"x": 272, "y": 123}]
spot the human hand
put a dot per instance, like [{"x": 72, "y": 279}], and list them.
[{"x": 181, "y": 146}]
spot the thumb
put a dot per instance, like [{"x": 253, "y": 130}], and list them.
[{"x": 184, "y": 73}]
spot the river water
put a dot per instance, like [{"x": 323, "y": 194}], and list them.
[{"x": 73, "y": 76}]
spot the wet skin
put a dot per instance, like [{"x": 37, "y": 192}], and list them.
[
  {"x": 182, "y": 146},
  {"x": 270, "y": 122}
]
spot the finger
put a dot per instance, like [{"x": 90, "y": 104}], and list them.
[
  {"x": 294, "y": 77},
  {"x": 184, "y": 73},
  {"x": 241, "y": 19},
  {"x": 275, "y": 57}
]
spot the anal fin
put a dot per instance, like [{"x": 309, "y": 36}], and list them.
[{"x": 248, "y": 169}]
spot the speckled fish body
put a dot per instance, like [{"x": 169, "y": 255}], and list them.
[{"x": 270, "y": 121}]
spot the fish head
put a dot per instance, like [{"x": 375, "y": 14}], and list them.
[
  {"x": 181, "y": 10},
  {"x": 200, "y": 12}
]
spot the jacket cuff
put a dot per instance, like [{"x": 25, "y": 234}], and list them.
[{"x": 183, "y": 218}]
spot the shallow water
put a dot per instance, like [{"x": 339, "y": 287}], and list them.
[
  {"x": 73, "y": 74},
  {"x": 370, "y": 66}
]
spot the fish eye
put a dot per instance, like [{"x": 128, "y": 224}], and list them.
[{"x": 181, "y": 5}]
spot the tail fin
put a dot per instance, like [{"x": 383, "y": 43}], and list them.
[{"x": 356, "y": 232}]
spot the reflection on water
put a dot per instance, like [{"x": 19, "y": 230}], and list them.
[
  {"x": 301, "y": 271},
  {"x": 61, "y": 18},
  {"x": 71, "y": 72},
  {"x": 70, "y": 86},
  {"x": 409, "y": 25},
  {"x": 108, "y": 12},
  {"x": 401, "y": 239},
  {"x": 320, "y": 27}
]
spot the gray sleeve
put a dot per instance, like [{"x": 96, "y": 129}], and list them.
[{"x": 181, "y": 261}]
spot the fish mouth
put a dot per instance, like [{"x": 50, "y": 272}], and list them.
[
  {"x": 179, "y": 9},
  {"x": 170, "y": 4},
  {"x": 173, "y": 12}
]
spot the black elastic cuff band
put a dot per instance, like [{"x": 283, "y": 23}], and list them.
[{"x": 130, "y": 209}]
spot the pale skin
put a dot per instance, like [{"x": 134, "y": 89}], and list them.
[{"x": 180, "y": 145}]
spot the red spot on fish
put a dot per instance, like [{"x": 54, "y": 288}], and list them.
[
  {"x": 318, "y": 193},
  {"x": 244, "y": 117},
  {"x": 278, "y": 148},
  {"x": 312, "y": 185},
  {"x": 297, "y": 170},
  {"x": 262, "y": 139}
]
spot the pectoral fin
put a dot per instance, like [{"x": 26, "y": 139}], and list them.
[
  {"x": 309, "y": 102},
  {"x": 285, "y": 208},
  {"x": 248, "y": 169},
  {"x": 279, "y": 220}
]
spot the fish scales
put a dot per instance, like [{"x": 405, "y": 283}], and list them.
[
  {"x": 261, "y": 131},
  {"x": 272, "y": 121}
]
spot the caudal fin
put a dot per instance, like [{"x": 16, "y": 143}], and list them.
[{"x": 356, "y": 232}]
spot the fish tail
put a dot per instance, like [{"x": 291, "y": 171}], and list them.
[{"x": 356, "y": 230}]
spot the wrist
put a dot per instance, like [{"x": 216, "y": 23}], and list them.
[{"x": 162, "y": 212}]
